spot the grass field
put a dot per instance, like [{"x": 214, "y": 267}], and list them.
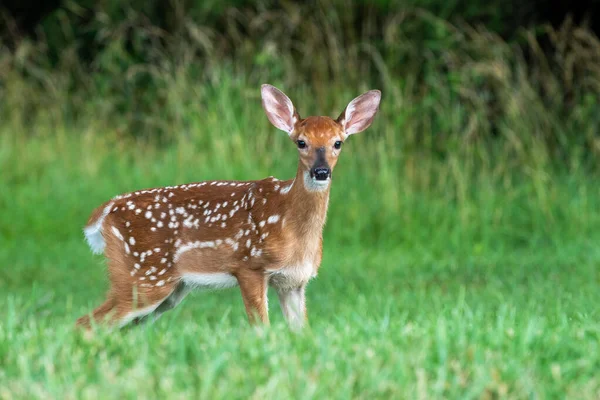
[
  {"x": 442, "y": 277},
  {"x": 461, "y": 256}
]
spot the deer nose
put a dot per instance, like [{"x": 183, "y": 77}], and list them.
[{"x": 321, "y": 173}]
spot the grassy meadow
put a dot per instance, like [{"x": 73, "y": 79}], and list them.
[{"x": 460, "y": 252}]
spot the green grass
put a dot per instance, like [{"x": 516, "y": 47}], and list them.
[
  {"x": 442, "y": 277},
  {"x": 383, "y": 324}
]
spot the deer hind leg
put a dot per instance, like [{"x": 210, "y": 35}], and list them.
[
  {"x": 137, "y": 307},
  {"x": 172, "y": 301},
  {"x": 139, "y": 304},
  {"x": 137, "y": 289},
  {"x": 143, "y": 280}
]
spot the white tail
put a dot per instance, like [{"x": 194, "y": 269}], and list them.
[
  {"x": 93, "y": 232},
  {"x": 160, "y": 243}
]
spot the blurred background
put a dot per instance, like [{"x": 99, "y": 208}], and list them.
[{"x": 474, "y": 196}]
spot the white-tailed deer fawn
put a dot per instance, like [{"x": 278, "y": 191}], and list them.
[{"x": 161, "y": 243}]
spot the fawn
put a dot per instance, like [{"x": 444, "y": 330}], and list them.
[{"x": 161, "y": 243}]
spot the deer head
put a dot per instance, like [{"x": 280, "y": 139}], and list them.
[{"x": 319, "y": 139}]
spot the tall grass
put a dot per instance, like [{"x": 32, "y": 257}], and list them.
[
  {"x": 447, "y": 87},
  {"x": 382, "y": 191}
]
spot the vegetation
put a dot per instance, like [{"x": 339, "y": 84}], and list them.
[{"x": 461, "y": 244}]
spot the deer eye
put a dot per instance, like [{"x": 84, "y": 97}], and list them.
[
  {"x": 337, "y": 145},
  {"x": 301, "y": 144}
]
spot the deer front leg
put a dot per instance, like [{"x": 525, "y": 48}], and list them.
[
  {"x": 293, "y": 306},
  {"x": 253, "y": 285}
]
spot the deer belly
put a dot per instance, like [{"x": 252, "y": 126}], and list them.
[
  {"x": 291, "y": 277},
  {"x": 209, "y": 280}
]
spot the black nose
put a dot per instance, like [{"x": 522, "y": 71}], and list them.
[{"x": 321, "y": 174}]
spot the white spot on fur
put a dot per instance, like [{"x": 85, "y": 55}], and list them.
[
  {"x": 232, "y": 243},
  {"x": 286, "y": 189},
  {"x": 273, "y": 219},
  {"x": 117, "y": 233},
  {"x": 192, "y": 245}
]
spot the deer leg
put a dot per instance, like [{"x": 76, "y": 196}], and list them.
[
  {"x": 172, "y": 301},
  {"x": 253, "y": 285},
  {"x": 293, "y": 305},
  {"x": 99, "y": 314},
  {"x": 124, "y": 307},
  {"x": 146, "y": 304}
]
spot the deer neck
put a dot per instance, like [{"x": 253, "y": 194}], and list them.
[{"x": 307, "y": 205}]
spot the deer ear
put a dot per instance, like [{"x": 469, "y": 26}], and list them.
[
  {"x": 279, "y": 108},
  {"x": 359, "y": 114}
]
